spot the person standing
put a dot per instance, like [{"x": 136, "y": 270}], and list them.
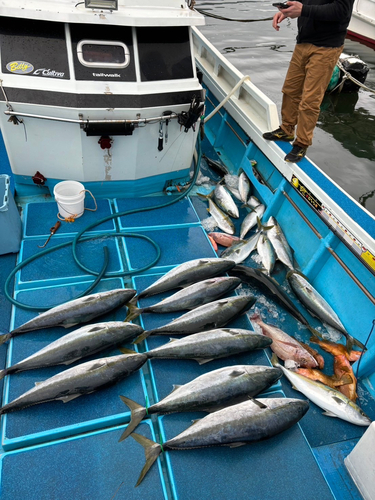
[{"x": 322, "y": 26}]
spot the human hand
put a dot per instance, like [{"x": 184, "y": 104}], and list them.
[
  {"x": 293, "y": 10},
  {"x": 277, "y": 18}
]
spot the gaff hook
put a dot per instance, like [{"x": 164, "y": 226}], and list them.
[{"x": 52, "y": 231}]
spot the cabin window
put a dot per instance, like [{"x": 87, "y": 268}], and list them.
[
  {"x": 103, "y": 53},
  {"x": 33, "y": 48},
  {"x": 98, "y": 54},
  {"x": 164, "y": 53}
]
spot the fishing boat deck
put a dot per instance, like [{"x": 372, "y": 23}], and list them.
[{"x": 56, "y": 450}]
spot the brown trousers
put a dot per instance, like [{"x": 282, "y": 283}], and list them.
[{"x": 310, "y": 71}]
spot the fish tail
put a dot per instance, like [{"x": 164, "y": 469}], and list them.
[
  {"x": 350, "y": 341},
  {"x": 152, "y": 451},
  {"x": 274, "y": 360},
  {"x": 133, "y": 312},
  {"x": 314, "y": 332},
  {"x": 143, "y": 336},
  {"x": 137, "y": 414},
  {"x": 3, "y": 373},
  {"x": 4, "y": 338}
]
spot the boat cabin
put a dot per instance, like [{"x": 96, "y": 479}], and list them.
[{"x": 87, "y": 98}]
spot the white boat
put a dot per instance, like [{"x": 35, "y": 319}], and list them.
[
  {"x": 111, "y": 95},
  {"x": 362, "y": 23}
]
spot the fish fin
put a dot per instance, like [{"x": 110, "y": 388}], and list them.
[
  {"x": 66, "y": 399},
  {"x": 133, "y": 312},
  {"x": 344, "y": 380},
  {"x": 258, "y": 402},
  {"x": 203, "y": 196},
  {"x": 338, "y": 400},
  {"x": 175, "y": 387},
  {"x": 152, "y": 451},
  {"x": 172, "y": 340},
  {"x": 98, "y": 366},
  {"x": 350, "y": 341},
  {"x": 124, "y": 350},
  {"x": 4, "y": 338},
  {"x": 143, "y": 336},
  {"x": 37, "y": 383},
  {"x": 329, "y": 414},
  {"x": 236, "y": 373},
  {"x": 235, "y": 445},
  {"x": 138, "y": 413},
  {"x": 70, "y": 361},
  {"x": 96, "y": 329},
  {"x": 274, "y": 360},
  {"x": 202, "y": 361},
  {"x": 3, "y": 373},
  {"x": 69, "y": 325},
  {"x": 314, "y": 332}
]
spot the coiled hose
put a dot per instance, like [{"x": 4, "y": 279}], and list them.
[{"x": 78, "y": 238}]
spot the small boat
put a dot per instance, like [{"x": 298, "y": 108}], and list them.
[
  {"x": 362, "y": 23},
  {"x": 141, "y": 115}
]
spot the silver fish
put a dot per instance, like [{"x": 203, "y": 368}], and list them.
[
  {"x": 210, "y": 391},
  {"x": 318, "y": 306},
  {"x": 224, "y": 200},
  {"x": 253, "y": 202},
  {"x": 285, "y": 346},
  {"x": 251, "y": 220},
  {"x": 84, "y": 378},
  {"x": 212, "y": 344},
  {"x": 266, "y": 253},
  {"x": 190, "y": 297},
  {"x": 222, "y": 219},
  {"x": 240, "y": 251},
  {"x": 76, "y": 311},
  {"x": 243, "y": 187},
  {"x": 187, "y": 273},
  {"x": 233, "y": 426},
  {"x": 85, "y": 341},
  {"x": 332, "y": 401},
  {"x": 279, "y": 242},
  {"x": 213, "y": 315}
]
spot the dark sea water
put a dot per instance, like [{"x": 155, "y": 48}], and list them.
[{"x": 344, "y": 139}]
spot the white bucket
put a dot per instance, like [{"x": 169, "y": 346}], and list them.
[{"x": 70, "y": 198}]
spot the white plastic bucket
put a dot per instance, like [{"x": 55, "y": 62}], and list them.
[{"x": 70, "y": 198}]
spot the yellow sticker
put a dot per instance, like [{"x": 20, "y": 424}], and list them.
[{"x": 20, "y": 67}]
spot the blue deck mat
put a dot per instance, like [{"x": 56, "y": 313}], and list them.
[
  {"x": 61, "y": 264},
  {"x": 173, "y": 252},
  {"x": 40, "y": 217},
  {"x": 177, "y": 214},
  {"x": 94, "y": 466}
]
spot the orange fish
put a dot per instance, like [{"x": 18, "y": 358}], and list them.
[
  {"x": 331, "y": 381},
  {"x": 341, "y": 365},
  {"x": 318, "y": 357}
]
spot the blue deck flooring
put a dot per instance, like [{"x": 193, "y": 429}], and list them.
[{"x": 56, "y": 450}]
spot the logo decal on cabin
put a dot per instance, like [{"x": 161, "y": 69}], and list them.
[
  {"x": 48, "y": 72},
  {"x": 20, "y": 67}
]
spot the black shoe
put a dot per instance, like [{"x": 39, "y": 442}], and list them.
[
  {"x": 296, "y": 154},
  {"x": 278, "y": 135}
]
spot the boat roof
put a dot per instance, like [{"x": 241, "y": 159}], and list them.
[{"x": 144, "y": 13}]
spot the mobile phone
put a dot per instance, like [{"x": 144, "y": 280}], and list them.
[{"x": 281, "y": 5}]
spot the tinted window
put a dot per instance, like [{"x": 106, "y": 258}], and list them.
[
  {"x": 164, "y": 53},
  {"x": 99, "y": 56},
  {"x": 33, "y": 48}
]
